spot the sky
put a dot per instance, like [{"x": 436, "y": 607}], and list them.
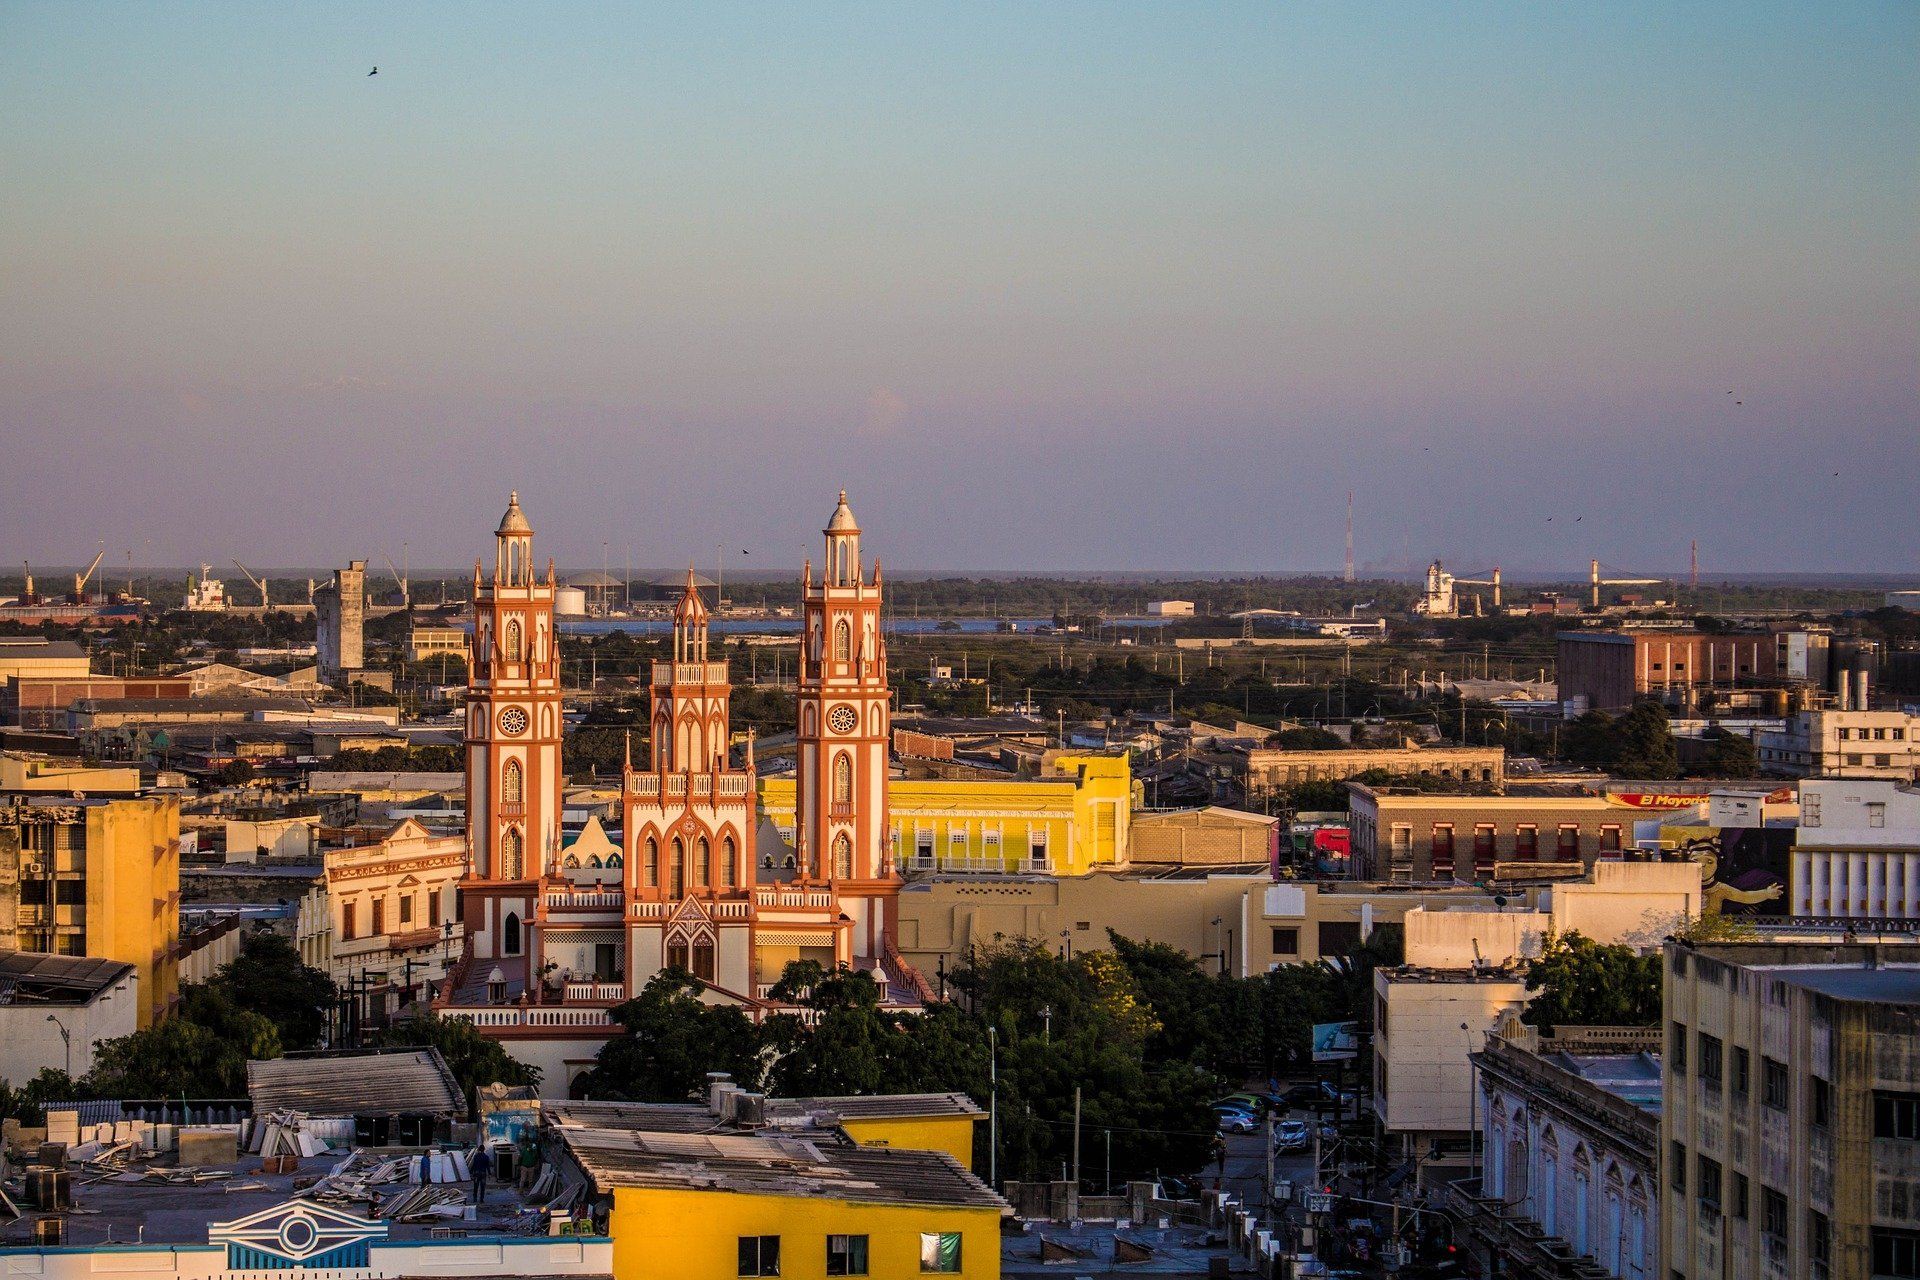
[{"x": 1048, "y": 287}]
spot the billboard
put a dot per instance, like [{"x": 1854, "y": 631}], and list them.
[{"x": 1336, "y": 1041}]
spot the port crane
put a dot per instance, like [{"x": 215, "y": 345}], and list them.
[
  {"x": 1599, "y": 582},
  {"x": 400, "y": 576},
  {"x": 258, "y": 582},
  {"x": 80, "y": 580}
]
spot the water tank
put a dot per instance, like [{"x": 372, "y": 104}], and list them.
[{"x": 570, "y": 602}]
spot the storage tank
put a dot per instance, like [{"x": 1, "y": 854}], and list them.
[{"x": 570, "y": 602}]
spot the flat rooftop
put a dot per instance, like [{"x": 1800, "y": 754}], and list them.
[
  {"x": 47, "y": 981},
  {"x": 1632, "y": 1077},
  {"x": 1883, "y": 984}
]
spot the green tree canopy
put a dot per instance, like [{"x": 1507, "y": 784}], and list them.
[
  {"x": 473, "y": 1059},
  {"x": 669, "y": 1040},
  {"x": 1580, "y": 982},
  {"x": 269, "y": 978}
]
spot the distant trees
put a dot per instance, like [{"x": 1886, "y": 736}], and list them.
[
  {"x": 1728, "y": 755},
  {"x": 1637, "y": 744},
  {"x": 1580, "y": 982}
]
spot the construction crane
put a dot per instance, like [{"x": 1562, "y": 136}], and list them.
[
  {"x": 258, "y": 582},
  {"x": 1440, "y": 600},
  {"x": 1491, "y": 581},
  {"x": 400, "y": 576},
  {"x": 80, "y": 580},
  {"x": 1599, "y": 582}
]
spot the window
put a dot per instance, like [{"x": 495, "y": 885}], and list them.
[
  {"x": 727, "y": 855},
  {"x": 1740, "y": 1196},
  {"x": 510, "y": 855},
  {"x": 842, "y": 641},
  {"x": 1896, "y": 1253},
  {"x": 1710, "y": 1059},
  {"x": 1742, "y": 1073},
  {"x": 842, "y": 857},
  {"x": 1896, "y": 1115},
  {"x": 846, "y": 1255},
  {"x": 1677, "y": 1046},
  {"x": 512, "y": 783},
  {"x": 940, "y": 1251},
  {"x": 406, "y": 908},
  {"x": 1819, "y": 1243},
  {"x": 677, "y": 869},
  {"x": 510, "y": 934},
  {"x": 1568, "y": 849},
  {"x": 1483, "y": 844},
  {"x": 1876, "y": 814},
  {"x": 70, "y": 893},
  {"x": 1773, "y": 1213},
  {"x": 346, "y": 922},
  {"x": 702, "y": 862},
  {"x": 1677, "y": 1165},
  {"x": 843, "y": 778},
  {"x": 1610, "y": 839},
  {"x": 652, "y": 863},
  {"x": 759, "y": 1255},
  {"x": 1821, "y": 1096},
  {"x": 1526, "y": 842},
  {"x": 512, "y": 645},
  {"x": 433, "y": 908},
  {"x": 1775, "y": 1084},
  {"x": 1286, "y": 942},
  {"x": 1709, "y": 1181},
  {"x": 379, "y": 916},
  {"x": 1810, "y": 808}
]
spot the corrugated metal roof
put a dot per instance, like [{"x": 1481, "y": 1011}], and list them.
[
  {"x": 31, "y": 977},
  {"x": 380, "y": 1083}
]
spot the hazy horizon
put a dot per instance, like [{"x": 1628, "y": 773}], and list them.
[{"x": 1051, "y": 287}]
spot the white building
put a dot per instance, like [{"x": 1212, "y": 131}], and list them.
[
  {"x": 1170, "y": 608},
  {"x": 55, "y": 1011},
  {"x": 1857, "y": 851},
  {"x": 1844, "y": 743}
]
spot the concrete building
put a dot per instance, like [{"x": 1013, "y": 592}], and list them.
[
  {"x": 1466, "y": 968},
  {"x": 1270, "y": 770},
  {"x": 1570, "y": 1153},
  {"x": 339, "y": 616},
  {"x": 1402, "y": 834},
  {"x": 1072, "y": 822},
  {"x": 429, "y": 642},
  {"x": 1844, "y": 744},
  {"x": 1791, "y": 1110},
  {"x": 24, "y": 772},
  {"x": 54, "y": 1011},
  {"x": 386, "y": 909},
  {"x": 1169, "y": 608},
  {"x": 1856, "y": 852},
  {"x": 98, "y": 878},
  {"x": 1611, "y": 670},
  {"x": 41, "y": 702},
  {"x": 1304, "y": 921},
  {"x": 31, "y": 657},
  {"x": 1208, "y": 837}
]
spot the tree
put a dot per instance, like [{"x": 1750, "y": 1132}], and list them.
[
  {"x": 1644, "y": 745},
  {"x": 201, "y": 1051},
  {"x": 1581, "y": 982},
  {"x": 235, "y": 773},
  {"x": 269, "y": 978},
  {"x": 473, "y": 1059},
  {"x": 1728, "y": 755},
  {"x": 670, "y": 1039}
]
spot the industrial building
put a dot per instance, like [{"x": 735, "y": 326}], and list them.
[
  {"x": 1611, "y": 670},
  {"x": 339, "y": 616}
]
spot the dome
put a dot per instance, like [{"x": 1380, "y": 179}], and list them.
[
  {"x": 843, "y": 521},
  {"x": 515, "y": 521}
]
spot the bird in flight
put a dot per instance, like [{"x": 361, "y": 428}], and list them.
[{"x": 374, "y": 72}]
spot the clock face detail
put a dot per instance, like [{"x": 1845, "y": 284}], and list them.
[
  {"x": 842, "y": 720},
  {"x": 513, "y": 722}
]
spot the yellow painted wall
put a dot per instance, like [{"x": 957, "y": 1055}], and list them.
[
  {"x": 695, "y": 1235},
  {"x": 951, "y": 1134},
  {"x": 1085, "y": 823},
  {"x": 133, "y": 893}
]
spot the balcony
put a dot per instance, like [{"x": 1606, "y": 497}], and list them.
[
  {"x": 584, "y": 900},
  {"x": 601, "y": 992},
  {"x": 585, "y": 1017},
  {"x": 666, "y": 673},
  {"x": 792, "y": 898}
]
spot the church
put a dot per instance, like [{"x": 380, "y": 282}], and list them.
[{"x": 703, "y": 882}]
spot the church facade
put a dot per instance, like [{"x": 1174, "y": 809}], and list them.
[{"x": 704, "y": 884}]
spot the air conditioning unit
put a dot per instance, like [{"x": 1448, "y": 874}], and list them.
[{"x": 36, "y": 868}]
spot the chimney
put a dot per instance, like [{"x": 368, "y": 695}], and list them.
[
  {"x": 1862, "y": 697},
  {"x": 1846, "y": 691},
  {"x": 719, "y": 1085}
]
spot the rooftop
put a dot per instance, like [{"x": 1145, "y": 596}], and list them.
[
  {"x": 29, "y": 978},
  {"x": 1883, "y": 984},
  {"x": 380, "y": 1082}
]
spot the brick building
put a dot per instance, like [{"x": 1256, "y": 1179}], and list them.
[{"x": 1611, "y": 670}]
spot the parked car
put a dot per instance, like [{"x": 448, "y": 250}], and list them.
[
  {"x": 1291, "y": 1135},
  {"x": 1254, "y": 1103},
  {"x": 1236, "y": 1122},
  {"x": 1317, "y": 1095}
]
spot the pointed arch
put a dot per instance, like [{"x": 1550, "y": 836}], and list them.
[
  {"x": 702, "y": 863},
  {"x": 729, "y": 871},
  {"x": 513, "y": 783},
  {"x": 616, "y": 859},
  {"x": 512, "y": 854},
  {"x": 510, "y": 934},
  {"x": 677, "y": 869},
  {"x": 511, "y": 646},
  {"x": 842, "y": 641},
  {"x": 651, "y": 864},
  {"x": 842, "y": 857},
  {"x": 842, "y": 778}
]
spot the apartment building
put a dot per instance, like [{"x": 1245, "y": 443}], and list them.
[
  {"x": 1791, "y": 1110},
  {"x": 1856, "y": 852},
  {"x": 97, "y": 878},
  {"x": 1843, "y": 744},
  {"x": 1470, "y": 834},
  {"x": 1269, "y": 770},
  {"x": 386, "y": 908}
]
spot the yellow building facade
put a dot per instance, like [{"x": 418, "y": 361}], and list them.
[
  {"x": 1068, "y": 825},
  {"x": 98, "y": 878}
]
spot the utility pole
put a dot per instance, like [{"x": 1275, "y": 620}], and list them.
[
  {"x": 993, "y": 1106},
  {"x": 1269, "y": 1168},
  {"x": 1076, "y": 1139}
]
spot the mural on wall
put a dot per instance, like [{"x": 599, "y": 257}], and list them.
[
  {"x": 298, "y": 1234},
  {"x": 1743, "y": 870}
]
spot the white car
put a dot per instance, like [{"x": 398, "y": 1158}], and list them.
[{"x": 1291, "y": 1135}]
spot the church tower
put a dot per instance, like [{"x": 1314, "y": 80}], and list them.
[
  {"x": 513, "y": 733},
  {"x": 841, "y": 826}
]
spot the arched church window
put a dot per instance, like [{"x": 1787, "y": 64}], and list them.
[
  {"x": 842, "y": 641},
  {"x": 512, "y": 854},
  {"x": 652, "y": 864},
  {"x": 843, "y": 778},
  {"x": 702, "y": 862},
  {"x": 616, "y": 860},
  {"x": 511, "y": 646},
  {"x": 677, "y": 870},
  {"x": 510, "y": 934},
  {"x": 512, "y": 783},
  {"x": 842, "y": 857},
  {"x": 728, "y": 875},
  {"x": 572, "y": 862}
]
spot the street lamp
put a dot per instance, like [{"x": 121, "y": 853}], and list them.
[{"x": 66, "y": 1040}]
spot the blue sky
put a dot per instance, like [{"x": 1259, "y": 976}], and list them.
[{"x": 1059, "y": 286}]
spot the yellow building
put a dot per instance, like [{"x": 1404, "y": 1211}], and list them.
[
  {"x": 99, "y": 878},
  {"x": 779, "y": 1187},
  {"x": 1067, "y": 825}
]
